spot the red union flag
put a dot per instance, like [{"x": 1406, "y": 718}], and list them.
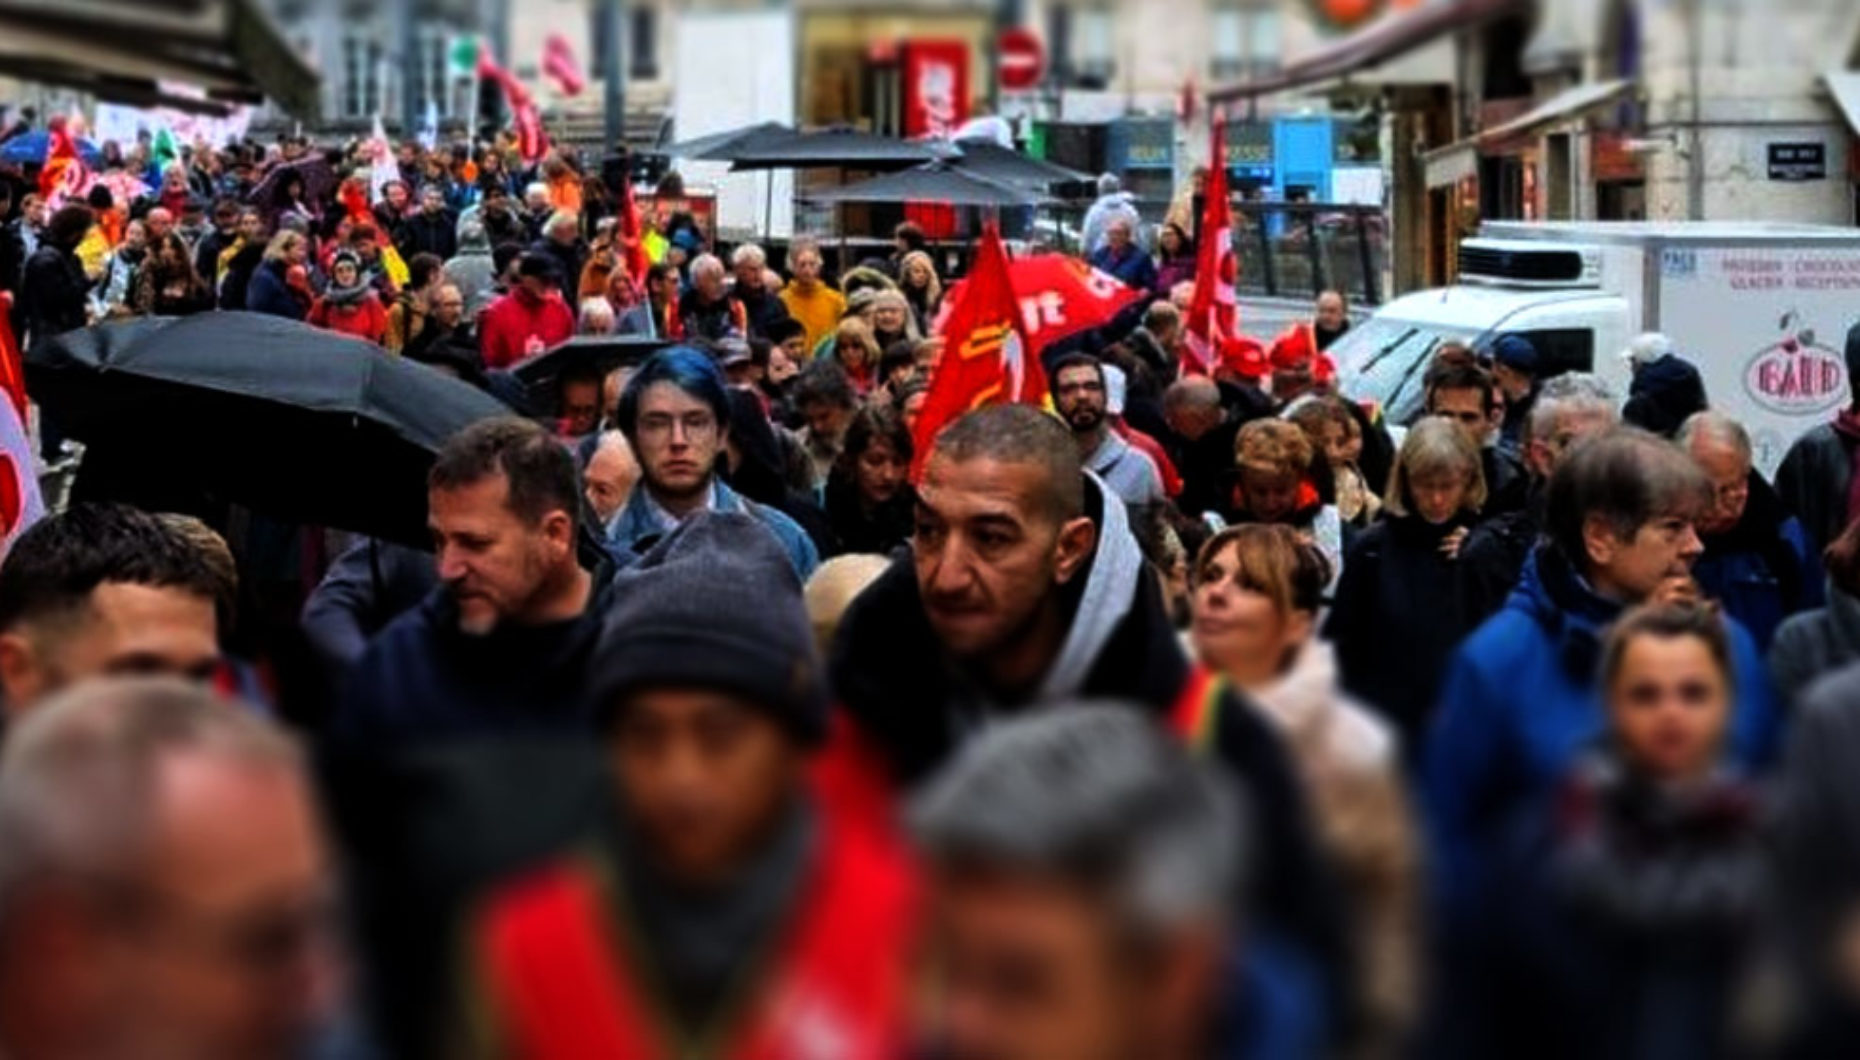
[
  {"x": 985, "y": 358},
  {"x": 1213, "y": 316},
  {"x": 1059, "y": 295}
]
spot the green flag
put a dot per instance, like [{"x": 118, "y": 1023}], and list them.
[
  {"x": 463, "y": 56},
  {"x": 164, "y": 150}
]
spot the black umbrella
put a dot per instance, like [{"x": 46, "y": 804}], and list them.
[
  {"x": 938, "y": 182},
  {"x": 594, "y": 355},
  {"x": 995, "y": 162},
  {"x": 725, "y": 146},
  {"x": 835, "y": 149},
  {"x": 291, "y": 421},
  {"x": 319, "y": 183}
]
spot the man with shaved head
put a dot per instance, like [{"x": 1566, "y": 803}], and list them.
[
  {"x": 1203, "y": 444},
  {"x": 1024, "y": 588}
]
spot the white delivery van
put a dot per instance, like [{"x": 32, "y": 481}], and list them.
[{"x": 1763, "y": 310}]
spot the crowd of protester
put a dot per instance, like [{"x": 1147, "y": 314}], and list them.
[{"x": 1195, "y": 715}]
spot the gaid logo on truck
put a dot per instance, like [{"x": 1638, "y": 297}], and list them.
[{"x": 1796, "y": 374}]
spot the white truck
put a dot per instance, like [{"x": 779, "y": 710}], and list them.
[{"x": 1763, "y": 310}]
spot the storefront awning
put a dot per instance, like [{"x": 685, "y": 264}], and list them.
[
  {"x": 1844, "y": 86},
  {"x": 1459, "y": 159},
  {"x": 1389, "y": 37},
  {"x": 120, "y": 50}
]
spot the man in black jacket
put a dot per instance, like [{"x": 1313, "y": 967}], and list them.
[
  {"x": 1025, "y": 588},
  {"x": 52, "y": 297},
  {"x": 434, "y": 230},
  {"x": 502, "y": 645}
]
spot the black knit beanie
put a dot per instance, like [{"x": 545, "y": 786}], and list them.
[{"x": 715, "y": 605}]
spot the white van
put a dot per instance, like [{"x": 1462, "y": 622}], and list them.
[{"x": 1762, "y": 309}]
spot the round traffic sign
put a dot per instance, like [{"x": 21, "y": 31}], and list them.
[{"x": 1020, "y": 61}]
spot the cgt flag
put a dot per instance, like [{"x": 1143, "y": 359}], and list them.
[
  {"x": 985, "y": 359},
  {"x": 1213, "y": 316}
]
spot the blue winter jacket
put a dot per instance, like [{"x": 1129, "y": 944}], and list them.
[
  {"x": 1135, "y": 268},
  {"x": 1519, "y": 703},
  {"x": 1762, "y": 570},
  {"x": 268, "y": 293},
  {"x": 635, "y": 529}
]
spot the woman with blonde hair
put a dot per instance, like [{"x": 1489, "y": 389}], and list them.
[
  {"x": 1255, "y": 600},
  {"x": 922, "y": 289},
  {"x": 1279, "y": 478},
  {"x": 1401, "y": 606},
  {"x": 858, "y": 352}
]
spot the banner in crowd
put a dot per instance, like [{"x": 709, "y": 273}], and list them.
[
  {"x": 936, "y": 103},
  {"x": 1214, "y": 315},
  {"x": 113, "y": 121},
  {"x": 986, "y": 358}
]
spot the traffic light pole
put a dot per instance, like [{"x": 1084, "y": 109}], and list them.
[{"x": 613, "y": 94}]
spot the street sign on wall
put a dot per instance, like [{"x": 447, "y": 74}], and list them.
[{"x": 1798, "y": 161}]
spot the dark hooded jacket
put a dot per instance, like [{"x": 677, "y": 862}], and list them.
[
  {"x": 1400, "y": 611},
  {"x": 1663, "y": 394},
  {"x": 916, "y": 708},
  {"x": 52, "y": 297},
  {"x": 424, "y": 681}
]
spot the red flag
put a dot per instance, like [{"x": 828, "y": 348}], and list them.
[
  {"x": 1213, "y": 316},
  {"x": 559, "y": 65},
  {"x": 1059, "y": 295},
  {"x": 633, "y": 247},
  {"x": 64, "y": 171},
  {"x": 985, "y": 355},
  {"x": 532, "y": 142},
  {"x": 12, "y": 366}
]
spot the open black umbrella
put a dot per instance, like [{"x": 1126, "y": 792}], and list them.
[
  {"x": 319, "y": 182},
  {"x": 291, "y": 421},
  {"x": 725, "y": 146},
  {"x": 938, "y": 182},
  {"x": 995, "y": 162},
  {"x": 835, "y": 149},
  {"x": 594, "y": 355}
]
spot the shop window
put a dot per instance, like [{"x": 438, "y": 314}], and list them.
[
  {"x": 361, "y": 75},
  {"x": 1562, "y": 350}
]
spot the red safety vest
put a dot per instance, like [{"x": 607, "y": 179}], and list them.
[{"x": 564, "y": 983}]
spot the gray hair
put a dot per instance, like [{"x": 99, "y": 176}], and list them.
[
  {"x": 537, "y": 188},
  {"x": 1569, "y": 392},
  {"x": 596, "y": 317},
  {"x": 748, "y": 254},
  {"x": 77, "y": 777},
  {"x": 1715, "y": 428},
  {"x": 1108, "y": 183},
  {"x": 707, "y": 264},
  {"x": 1098, "y": 796},
  {"x": 563, "y": 219}
]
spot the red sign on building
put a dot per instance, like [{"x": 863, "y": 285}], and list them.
[{"x": 936, "y": 103}]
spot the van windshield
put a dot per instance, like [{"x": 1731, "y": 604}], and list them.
[{"x": 1383, "y": 360}]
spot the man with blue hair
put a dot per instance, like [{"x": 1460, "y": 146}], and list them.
[{"x": 676, "y": 413}]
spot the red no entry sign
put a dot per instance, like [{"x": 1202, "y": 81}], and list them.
[{"x": 1020, "y": 61}]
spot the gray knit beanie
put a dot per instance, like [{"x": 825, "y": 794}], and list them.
[{"x": 715, "y": 604}]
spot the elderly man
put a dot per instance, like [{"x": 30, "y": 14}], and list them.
[
  {"x": 1122, "y": 257},
  {"x": 807, "y": 298},
  {"x": 562, "y": 241},
  {"x": 1757, "y": 562},
  {"x": 1569, "y": 408},
  {"x": 612, "y": 473},
  {"x": 1331, "y": 319},
  {"x": 761, "y": 306},
  {"x": 707, "y": 311},
  {"x": 165, "y": 886}
]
